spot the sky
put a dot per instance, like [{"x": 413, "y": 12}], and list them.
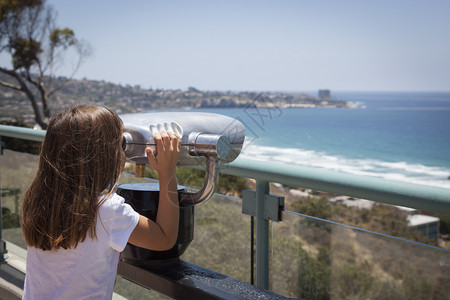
[{"x": 299, "y": 45}]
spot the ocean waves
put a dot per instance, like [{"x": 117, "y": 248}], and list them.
[{"x": 396, "y": 171}]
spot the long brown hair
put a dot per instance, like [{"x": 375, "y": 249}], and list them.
[{"x": 81, "y": 157}]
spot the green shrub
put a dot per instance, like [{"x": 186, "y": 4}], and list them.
[
  {"x": 196, "y": 178},
  {"x": 353, "y": 282},
  {"x": 313, "y": 278},
  {"x": 9, "y": 219},
  {"x": 444, "y": 225},
  {"x": 318, "y": 207}
]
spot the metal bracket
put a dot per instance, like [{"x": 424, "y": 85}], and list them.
[
  {"x": 3, "y": 251},
  {"x": 273, "y": 205},
  {"x": 2, "y": 146}
]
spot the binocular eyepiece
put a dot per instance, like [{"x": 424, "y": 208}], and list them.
[{"x": 198, "y": 144}]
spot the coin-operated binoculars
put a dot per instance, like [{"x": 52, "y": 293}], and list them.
[{"x": 206, "y": 140}]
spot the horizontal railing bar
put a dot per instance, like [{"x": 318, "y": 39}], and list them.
[
  {"x": 427, "y": 198},
  {"x": 22, "y": 133},
  {"x": 422, "y": 197}
]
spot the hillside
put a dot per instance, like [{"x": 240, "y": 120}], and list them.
[{"x": 131, "y": 99}]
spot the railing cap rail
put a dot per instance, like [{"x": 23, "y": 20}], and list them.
[
  {"x": 22, "y": 133},
  {"x": 423, "y": 197}
]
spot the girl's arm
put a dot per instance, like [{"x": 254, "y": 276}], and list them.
[{"x": 162, "y": 234}]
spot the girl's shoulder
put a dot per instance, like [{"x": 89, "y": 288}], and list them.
[
  {"x": 114, "y": 205},
  {"x": 112, "y": 200},
  {"x": 111, "y": 203}
]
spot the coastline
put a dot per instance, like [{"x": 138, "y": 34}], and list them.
[{"x": 134, "y": 99}]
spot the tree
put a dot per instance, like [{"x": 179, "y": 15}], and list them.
[{"x": 37, "y": 49}]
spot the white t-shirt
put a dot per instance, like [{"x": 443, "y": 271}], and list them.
[{"x": 89, "y": 270}]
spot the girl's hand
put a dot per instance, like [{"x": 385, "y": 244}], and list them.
[
  {"x": 168, "y": 150},
  {"x": 164, "y": 230}
]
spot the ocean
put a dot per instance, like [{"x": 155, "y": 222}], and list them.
[{"x": 402, "y": 136}]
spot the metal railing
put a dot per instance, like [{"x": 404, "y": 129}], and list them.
[{"x": 431, "y": 199}]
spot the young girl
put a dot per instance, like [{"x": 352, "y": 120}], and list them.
[{"x": 73, "y": 222}]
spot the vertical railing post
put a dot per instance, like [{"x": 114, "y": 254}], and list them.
[
  {"x": 3, "y": 251},
  {"x": 262, "y": 236},
  {"x": 252, "y": 250}
]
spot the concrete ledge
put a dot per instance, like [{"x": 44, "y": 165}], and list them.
[
  {"x": 9, "y": 292},
  {"x": 12, "y": 276}
]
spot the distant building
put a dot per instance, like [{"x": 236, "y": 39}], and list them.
[
  {"x": 325, "y": 95},
  {"x": 427, "y": 225},
  {"x": 353, "y": 202}
]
